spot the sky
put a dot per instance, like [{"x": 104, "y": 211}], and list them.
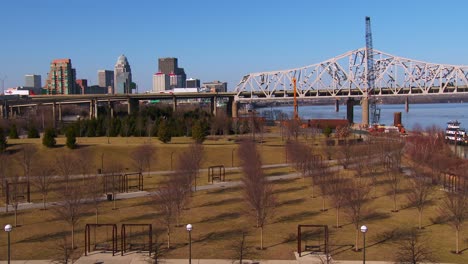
[{"x": 220, "y": 40}]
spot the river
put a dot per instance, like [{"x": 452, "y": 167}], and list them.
[{"x": 424, "y": 115}]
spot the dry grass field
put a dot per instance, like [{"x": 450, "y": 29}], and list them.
[{"x": 220, "y": 215}]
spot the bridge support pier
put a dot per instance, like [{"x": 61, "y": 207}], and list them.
[
  {"x": 95, "y": 108},
  {"x": 174, "y": 104},
  {"x": 337, "y": 105},
  {"x": 234, "y": 108},
  {"x": 110, "y": 109},
  {"x": 91, "y": 110},
  {"x": 365, "y": 110},
  {"x": 132, "y": 106},
  {"x": 407, "y": 105},
  {"x": 350, "y": 110},
  {"x": 54, "y": 116},
  {"x": 213, "y": 105},
  {"x": 60, "y": 112}
]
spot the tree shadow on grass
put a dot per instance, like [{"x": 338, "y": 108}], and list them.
[
  {"x": 220, "y": 217},
  {"x": 337, "y": 249},
  {"x": 225, "y": 190},
  {"x": 222, "y": 202},
  {"x": 288, "y": 190},
  {"x": 45, "y": 237},
  {"x": 376, "y": 216},
  {"x": 282, "y": 181},
  {"x": 296, "y": 216},
  {"x": 291, "y": 202},
  {"x": 221, "y": 235},
  {"x": 149, "y": 216}
]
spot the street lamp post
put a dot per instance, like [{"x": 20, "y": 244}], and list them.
[
  {"x": 364, "y": 230},
  {"x": 189, "y": 229},
  {"x": 8, "y": 229}
]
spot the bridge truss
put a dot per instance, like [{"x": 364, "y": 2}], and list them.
[{"x": 345, "y": 76}]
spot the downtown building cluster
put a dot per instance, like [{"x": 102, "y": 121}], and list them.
[{"x": 62, "y": 80}]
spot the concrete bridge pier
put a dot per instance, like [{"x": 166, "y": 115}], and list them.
[
  {"x": 133, "y": 106},
  {"x": 350, "y": 110},
  {"x": 213, "y": 105},
  {"x": 91, "y": 110},
  {"x": 174, "y": 104},
  {"x": 54, "y": 116},
  {"x": 234, "y": 108},
  {"x": 60, "y": 112},
  {"x": 365, "y": 110},
  {"x": 407, "y": 105},
  {"x": 95, "y": 108},
  {"x": 110, "y": 108},
  {"x": 337, "y": 105}
]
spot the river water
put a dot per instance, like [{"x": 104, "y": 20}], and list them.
[{"x": 424, "y": 115}]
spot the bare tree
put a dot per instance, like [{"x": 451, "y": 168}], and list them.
[
  {"x": 241, "y": 250},
  {"x": 158, "y": 251},
  {"x": 336, "y": 188},
  {"x": 42, "y": 181},
  {"x": 420, "y": 192},
  {"x": 189, "y": 163},
  {"x": 164, "y": 202},
  {"x": 142, "y": 157},
  {"x": 4, "y": 169},
  {"x": 70, "y": 208},
  {"x": 65, "y": 166},
  {"x": 356, "y": 197},
  {"x": 16, "y": 194},
  {"x": 258, "y": 191},
  {"x": 94, "y": 193},
  {"x": 28, "y": 152},
  {"x": 64, "y": 252},
  {"x": 455, "y": 208},
  {"x": 412, "y": 250}
]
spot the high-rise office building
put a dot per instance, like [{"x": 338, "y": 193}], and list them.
[
  {"x": 122, "y": 76},
  {"x": 170, "y": 66},
  {"x": 61, "y": 79},
  {"x": 161, "y": 82},
  {"x": 215, "y": 86},
  {"x": 32, "y": 81},
  {"x": 82, "y": 86},
  {"x": 193, "y": 83},
  {"x": 105, "y": 78}
]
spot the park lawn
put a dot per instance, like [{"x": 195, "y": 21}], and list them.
[{"x": 220, "y": 215}]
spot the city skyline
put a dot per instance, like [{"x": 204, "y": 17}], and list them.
[{"x": 222, "y": 42}]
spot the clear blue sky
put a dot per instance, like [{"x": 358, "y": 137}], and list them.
[{"x": 220, "y": 40}]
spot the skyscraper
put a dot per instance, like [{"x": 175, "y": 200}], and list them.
[
  {"x": 105, "y": 78},
  {"x": 82, "y": 86},
  {"x": 61, "y": 79},
  {"x": 215, "y": 86},
  {"x": 160, "y": 82},
  {"x": 122, "y": 76},
  {"x": 170, "y": 66},
  {"x": 193, "y": 83},
  {"x": 32, "y": 81}
]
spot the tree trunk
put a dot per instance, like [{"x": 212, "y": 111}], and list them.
[
  {"x": 457, "y": 250},
  {"x": 44, "y": 201},
  {"x": 16, "y": 216},
  {"x": 261, "y": 237},
  {"x": 337, "y": 217},
  {"x": 168, "y": 239},
  {"x": 394, "y": 201},
  {"x": 356, "y": 246},
  {"x": 97, "y": 215},
  {"x": 420, "y": 219},
  {"x": 73, "y": 236},
  {"x": 323, "y": 203}
]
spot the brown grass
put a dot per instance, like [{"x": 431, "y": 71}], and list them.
[{"x": 218, "y": 216}]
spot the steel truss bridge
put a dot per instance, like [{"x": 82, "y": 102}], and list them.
[{"x": 345, "y": 76}]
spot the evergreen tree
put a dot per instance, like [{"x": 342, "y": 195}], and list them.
[
  {"x": 71, "y": 138},
  {"x": 48, "y": 139},
  {"x": 13, "y": 132},
  {"x": 164, "y": 133},
  {"x": 3, "y": 141},
  {"x": 33, "y": 132},
  {"x": 198, "y": 132}
]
